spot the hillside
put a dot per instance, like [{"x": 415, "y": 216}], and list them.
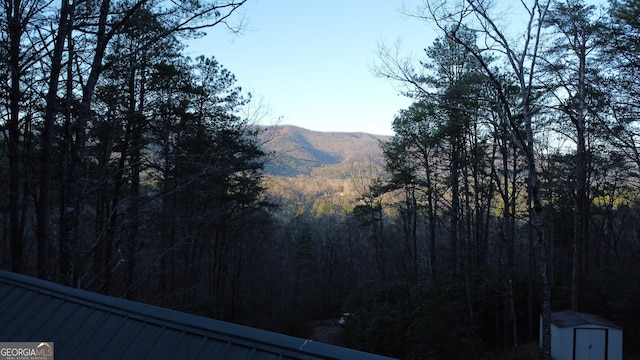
[{"x": 297, "y": 151}]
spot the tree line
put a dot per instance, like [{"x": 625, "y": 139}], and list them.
[
  {"x": 128, "y": 167},
  {"x": 508, "y": 190},
  {"x": 514, "y": 171}
]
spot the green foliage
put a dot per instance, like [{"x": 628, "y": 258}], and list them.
[
  {"x": 626, "y": 23},
  {"x": 428, "y": 321},
  {"x": 623, "y": 309}
]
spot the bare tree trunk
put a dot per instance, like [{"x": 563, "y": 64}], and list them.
[
  {"x": 455, "y": 208},
  {"x": 134, "y": 160},
  {"x": 43, "y": 209},
  {"x": 431, "y": 215},
  {"x": 14, "y": 19},
  {"x": 581, "y": 192}
]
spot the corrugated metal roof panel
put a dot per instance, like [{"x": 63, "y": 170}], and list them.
[
  {"x": 574, "y": 318},
  {"x": 92, "y": 326}
]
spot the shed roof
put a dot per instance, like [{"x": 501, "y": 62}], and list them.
[
  {"x": 86, "y": 325},
  {"x": 573, "y": 318}
]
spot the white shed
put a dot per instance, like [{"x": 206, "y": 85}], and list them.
[{"x": 580, "y": 336}]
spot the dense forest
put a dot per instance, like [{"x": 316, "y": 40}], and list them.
[{"x": 508, "y": 191}]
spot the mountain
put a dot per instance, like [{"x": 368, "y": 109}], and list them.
[{"x": 297, "y": 151}]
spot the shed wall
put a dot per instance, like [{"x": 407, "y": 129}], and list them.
[
  {"x": 615, "y": 344},
  {"x": 561, "y": 343}
]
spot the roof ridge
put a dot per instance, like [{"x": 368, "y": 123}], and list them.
[{"x": 84, "y": 321}]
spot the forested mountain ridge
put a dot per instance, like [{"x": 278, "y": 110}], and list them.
[{"x": 297, "y": 151}]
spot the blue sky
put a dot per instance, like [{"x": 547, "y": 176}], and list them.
[{"x": 311, "y": 61}]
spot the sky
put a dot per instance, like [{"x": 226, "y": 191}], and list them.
[{"x": 310, "y": 62}]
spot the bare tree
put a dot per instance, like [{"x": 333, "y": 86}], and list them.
[
  {"x": 21, "y": 34},
  {"x": 99, "y": 22},
  {"x": 572, "y": 83},
  {"x": 520, "y": 58}
]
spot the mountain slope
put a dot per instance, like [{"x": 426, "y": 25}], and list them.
[{"x": 297, "y": 151}]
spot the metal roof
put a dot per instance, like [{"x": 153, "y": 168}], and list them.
[
  {"x": 574, "y": 318},
  {"x": 86, "y": 325}
]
